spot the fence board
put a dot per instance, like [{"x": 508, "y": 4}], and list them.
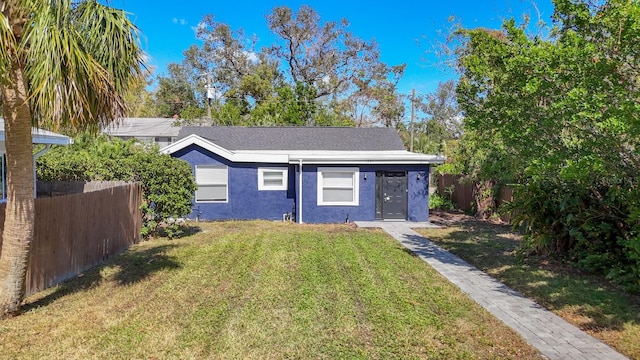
[
  {"x": 462, "y": 195},
  {"x": 76, "y": 232},
  {"x": 57, "y": 188}
]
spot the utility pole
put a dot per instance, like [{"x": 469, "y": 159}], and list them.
[
  {"x": 413, "y": 107},
  {"x": 210, "y": 94}
]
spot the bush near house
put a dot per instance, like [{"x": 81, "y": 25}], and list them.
[{"x": 167, "y": 183}]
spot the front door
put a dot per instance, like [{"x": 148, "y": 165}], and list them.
[{"x": 391, "y": 195}]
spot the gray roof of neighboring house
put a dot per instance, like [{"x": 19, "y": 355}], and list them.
[
  {"x": 143, "y": 127},
  {"x": 298, "y": 138}
]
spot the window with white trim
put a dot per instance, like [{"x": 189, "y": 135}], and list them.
[
  {"x": 272, "y": 178},
  {"x": 212, "y": 183},
  {"x": 338, "y": 186}
]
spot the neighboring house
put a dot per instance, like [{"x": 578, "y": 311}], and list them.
[
  {"x": 310, "y": 174},
  {"x": 147, "y": 130},
  {"x": 39, "y": 136}
]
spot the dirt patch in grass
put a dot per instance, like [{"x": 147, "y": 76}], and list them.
[{"x": 586, "y": 300}]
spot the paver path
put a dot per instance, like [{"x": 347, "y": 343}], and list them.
[{"x": 550, "y": 334}]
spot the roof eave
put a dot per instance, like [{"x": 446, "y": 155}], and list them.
[
  {"x": 349, "y": 160},
  {"x": 50, "y": 139},
  {"x": 284, "y": 157}
]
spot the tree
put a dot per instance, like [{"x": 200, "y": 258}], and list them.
[
  {"x": 441, "y": 108},
  {"x": 314, "y": 73},
  {"x": 65, "y": 66},
  {"x": 562, "y": 114},
  {"x": 337, "y": 63},
  {"x": 177, "y": 93},
  {"x": 438, "y": 120},
  {"x": 139, "y": 101}
]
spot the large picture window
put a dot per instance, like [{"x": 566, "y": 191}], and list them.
[
  {"x": 338, "y": 186},
  {"x": 272, "y": 178},
  {"x": 212, "y": 183}
]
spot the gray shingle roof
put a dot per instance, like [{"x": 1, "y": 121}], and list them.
[
  {"x": 132, "y": 127},
  {"x": 298, "y": 138}
]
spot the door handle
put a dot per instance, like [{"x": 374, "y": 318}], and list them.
[{"x": 387, "y": 198}]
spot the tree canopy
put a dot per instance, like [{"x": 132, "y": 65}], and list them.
[
  {"x": 314, "y": 73},
  {"x": 560, "y": 117}
]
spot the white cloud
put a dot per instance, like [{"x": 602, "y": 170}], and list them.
[
  {"x": 179, "y": 21},
  {"x": 251, "y": 56}
]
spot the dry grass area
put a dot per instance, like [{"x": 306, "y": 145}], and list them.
[
  {"x": 586, "y": 300},
  {"x": 260, "y": 290}
]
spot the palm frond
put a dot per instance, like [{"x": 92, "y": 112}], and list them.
[
  {"x": 80, "y": 63},
  {"x": 114, "y": 41},
  {"x": 7, "y": 44}
]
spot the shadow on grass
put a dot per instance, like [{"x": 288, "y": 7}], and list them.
[
  {"x": 130, "y": 267},
  {"x": 553, "y": 283}
]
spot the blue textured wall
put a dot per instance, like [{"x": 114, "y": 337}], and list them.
[
  {"x": 418, "y": 195},
  {"x": 245, "y": 201}
]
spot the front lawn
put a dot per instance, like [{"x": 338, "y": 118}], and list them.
[
  {"x": 260, "y": 290},
  {"x": 586, "y": 300}
]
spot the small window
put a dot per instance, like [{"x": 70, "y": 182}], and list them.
[
  {"x": 338, "y": 186},
  {"x": 163, "y": 141},
  {"x": 272, "y": 178},
  {"x": 212, "y": 183}
]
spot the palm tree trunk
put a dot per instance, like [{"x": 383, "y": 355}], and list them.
[{"x": 20, "y": 207}]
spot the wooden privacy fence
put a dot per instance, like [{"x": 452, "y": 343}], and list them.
[
  {"x": 462, "y": 194},
  {"x": 76, "y": 232}
]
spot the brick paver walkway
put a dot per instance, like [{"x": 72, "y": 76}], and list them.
[{"x": 551, "y": 335}]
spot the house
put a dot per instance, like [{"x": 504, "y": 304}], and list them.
[
  {"x": 160, "y": 131},
  {"x": 39, "y": 136},
  {"x": 308, "y": 174}
]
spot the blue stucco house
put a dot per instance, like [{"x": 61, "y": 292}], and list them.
[{"x": 306, "y": 174}]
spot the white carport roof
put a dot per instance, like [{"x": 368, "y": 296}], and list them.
[{"x": 41, "y": 136}]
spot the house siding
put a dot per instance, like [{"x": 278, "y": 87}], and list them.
[
  {"x": 417, "y": 195},
  {"x": 245, "y": 201}
]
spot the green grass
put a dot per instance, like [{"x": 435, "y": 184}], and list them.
[
  {"x": 584, "y": 299},
  {"x": 260, "y": 290}
]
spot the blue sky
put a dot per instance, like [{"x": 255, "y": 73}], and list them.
[{"x": 405, "y": 31}]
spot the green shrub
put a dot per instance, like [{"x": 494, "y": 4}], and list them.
[
  {"x": 437, "y": 201},
  {"x": 595, "y": 225},
  {"x": 167, "y": 183}
]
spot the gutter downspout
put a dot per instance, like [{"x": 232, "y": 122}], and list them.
[
  {"x": 299, "y": 192},
  {"x": 47, "y": 147}
]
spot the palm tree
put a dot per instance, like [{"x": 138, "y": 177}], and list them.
[{"x": 64, "y": 65}]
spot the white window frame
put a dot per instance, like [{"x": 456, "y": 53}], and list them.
[
  {"x": 283, "y": 170},
  {"x": 355, "y": 186},
  {"x": 226, "y": 183}
]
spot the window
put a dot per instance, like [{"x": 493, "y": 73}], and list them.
[
  {"x": 212, "y": 183},
  {"x": 272, "y": 178},
  {"x": 338, "y": 186},
  {"x": 163, "y": 141}
]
